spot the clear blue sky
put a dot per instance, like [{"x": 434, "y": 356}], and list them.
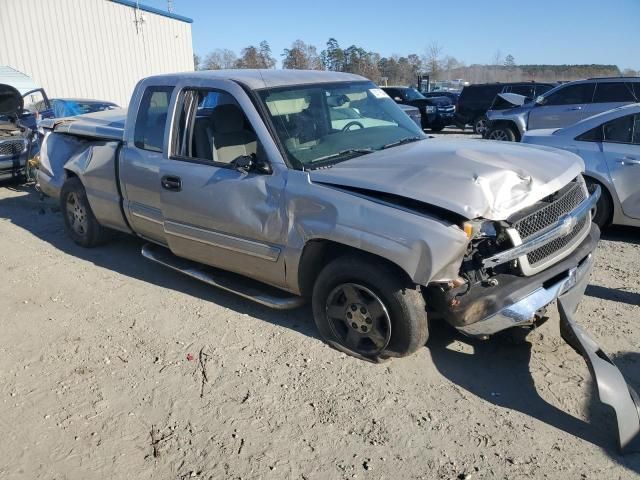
[{"x": 537, "y": 31}]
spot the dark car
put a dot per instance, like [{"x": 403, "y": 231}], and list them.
[
  {"x": 70, "y": 107},
  {"x": 437, "y": 112},
  {"x": 475, "y": 100}
]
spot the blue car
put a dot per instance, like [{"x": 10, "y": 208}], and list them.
[{"x": 70, "y": 107}]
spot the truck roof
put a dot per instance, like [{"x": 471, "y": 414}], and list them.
[{"x": 263, "y": 78}]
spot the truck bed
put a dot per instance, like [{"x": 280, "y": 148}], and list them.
[{"x": 107, "y": 125}]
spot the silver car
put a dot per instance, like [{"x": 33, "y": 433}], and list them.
[
  {"x": 609, "y": 144},
  {"x": 563, "y": 106}
]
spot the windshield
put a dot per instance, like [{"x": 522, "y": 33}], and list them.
[
  {"x": 71, "y": 108},
  {"x": 334, "y": 122},
  {"x": 412, "y": 94}
]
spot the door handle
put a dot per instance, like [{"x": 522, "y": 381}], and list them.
[
  {"x": 628, "y": 161},
  {"x": 575, "y": 108},
  {"x": 172, "y": 183}
]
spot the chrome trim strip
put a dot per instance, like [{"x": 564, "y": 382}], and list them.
[
  {"x": 145, "y": 213},
  {"x": 522, "y": 312},
  {"x": 221, "y": 240},
  {"x": 563, "y": 227}
]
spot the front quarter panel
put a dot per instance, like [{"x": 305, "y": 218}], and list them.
[{"x": 426, "y": 248}]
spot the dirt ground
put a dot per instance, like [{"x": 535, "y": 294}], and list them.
[{"x": 114, "y": 367}]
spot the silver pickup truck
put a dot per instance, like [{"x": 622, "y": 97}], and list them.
[{"x": 283, "y": 186}]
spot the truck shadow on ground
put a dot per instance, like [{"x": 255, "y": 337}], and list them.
[
  {"x": 122, "y": 255},
  {"x": 499, "y": 372}
]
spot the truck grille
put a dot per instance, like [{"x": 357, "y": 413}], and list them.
[
  {"x": 11, "y": 148},
  {"x": 545, "y": 214},
  {"x": 446, "y": 109}
]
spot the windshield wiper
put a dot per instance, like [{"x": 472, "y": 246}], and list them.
[
  {"x": 401, "y": 142},
  {"x": 343, "y": 154}
]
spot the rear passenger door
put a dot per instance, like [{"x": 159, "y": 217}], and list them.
[
  {"x": 213, "y": 211},
  {"x": 621, "y": 148},
  {"x": 610, "y": 95},
  {"x": 564, "y": 107},
  {"x": 140, "y": 160}
]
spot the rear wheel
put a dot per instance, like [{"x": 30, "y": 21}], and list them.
[
  {"x": 502, "y": 133},
  {"x": 366, "y": 309},
  {"x": 480, "y": 125},
  {"x": 79, "y": 221},
  {"x": 603, "y": 213}
]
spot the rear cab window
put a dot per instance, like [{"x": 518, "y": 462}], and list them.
[{"x": 152, "y": 118}]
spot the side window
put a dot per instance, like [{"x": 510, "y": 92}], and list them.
[
  {"x": 152, "y": 118},
  {"x": 212, "y": 128},
  {"x": 571, "y": 94},
  {"x": 636, "y": 129},
  {"x": 526, "y": 90},
  {"x": 35, "y": 101},
  {"x": 613, "y": 92},
  {"x": 540, "y": 89},
  {"x": 619, "y": 130},
  {"x": 593, "y": 135}
]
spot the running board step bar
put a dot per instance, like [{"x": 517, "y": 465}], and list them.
[{"x": 231, "y": 282}]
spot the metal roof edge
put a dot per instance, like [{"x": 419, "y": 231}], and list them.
[{"x": 157, "y": 11}]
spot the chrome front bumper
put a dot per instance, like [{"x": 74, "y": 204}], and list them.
[{"x": 522, "y": 312}]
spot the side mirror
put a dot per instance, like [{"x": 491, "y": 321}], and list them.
[
  {"x": 247, "y": 163},
  {"x": 397, "y": 99},
  {"x": 540, "y": 100},
  {"x": 243, "y": 163}
]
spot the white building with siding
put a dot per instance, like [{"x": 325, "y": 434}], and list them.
[{"x": 92, "y": 48}]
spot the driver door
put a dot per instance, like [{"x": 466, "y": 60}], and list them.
[{"x": 214, "y": 212}]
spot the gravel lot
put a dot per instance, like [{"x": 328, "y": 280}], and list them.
[{"x": 114, "y": 367}]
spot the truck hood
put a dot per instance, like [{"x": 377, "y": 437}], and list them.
[{"x": 472, "y": 178}]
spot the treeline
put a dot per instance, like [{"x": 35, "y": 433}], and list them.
[{"x": 397, "y": 69}]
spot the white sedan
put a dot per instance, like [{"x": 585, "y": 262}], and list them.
[{"x": 609, "y": 144}]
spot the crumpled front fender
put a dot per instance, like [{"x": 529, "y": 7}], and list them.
[{"x": 612, "y": 388}]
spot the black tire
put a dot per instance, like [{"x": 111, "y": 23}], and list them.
[
  {"x": 501, "y": 133},
  {"x": 437, "y": 128},
  {"x": 603, "y": 213},
  {"x": 79, "y": 221},
  {"x": 402, "y": 320},
  {"x": 480, "y": 125}
]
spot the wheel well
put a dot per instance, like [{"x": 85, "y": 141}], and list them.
[
  {"x": 69, "y": 174},
  {"x": 605, "y": 191},
  {"x": 318, "y": 253},
  {"x": 507, "y": 123}
]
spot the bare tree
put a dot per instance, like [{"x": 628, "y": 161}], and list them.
[
  {"x": 433, "y": 59},
  {"x": 196, "y": 61},
  {"x": 301, "y": 57},
  {"x": 219, "y": 59},
  {"x": 497, "y": 64}
]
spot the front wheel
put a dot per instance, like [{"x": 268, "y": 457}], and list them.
[
  {"x": 366, "y": 309},
  {"x": 437, "y": 128},
  {"x": 79, "y": 221},
  {"x": 502, "y": 133}
]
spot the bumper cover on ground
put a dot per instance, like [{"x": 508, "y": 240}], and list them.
[{"x": 611, "y": 385}]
